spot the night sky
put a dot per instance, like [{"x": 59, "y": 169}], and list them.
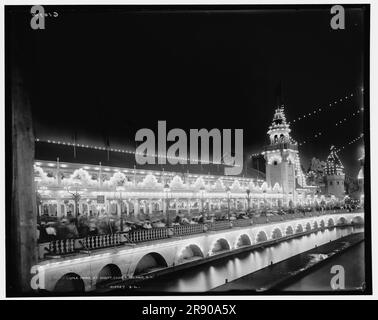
[{"x": 109, "y": 72}]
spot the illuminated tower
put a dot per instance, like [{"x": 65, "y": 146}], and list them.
[
  {"x": 335, "y": 176},
  {"x": 281, "y": 155}
]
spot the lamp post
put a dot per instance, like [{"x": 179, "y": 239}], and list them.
[
  {"x": 228, "y": 190},
  {"x": 76, "y": 196},
  {"x": 248, "y": 198},
  {"x": 120, "y": 189},
  {"x": 166, "y": 195},
  {"x": 202, "y": 193},
  {"x": 265, "y": 205}
]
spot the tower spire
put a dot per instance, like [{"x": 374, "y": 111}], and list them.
[{"x": 279, "y": 95}]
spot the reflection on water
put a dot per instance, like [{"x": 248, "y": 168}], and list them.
[
  {"x": 353, "y": 262},
  {"x": 208, "y": 276}
]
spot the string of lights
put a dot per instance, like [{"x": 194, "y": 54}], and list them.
[
  {"x": 349, "y": 143},
  {"x": 79, "y": 145},
  {"x": 331, "y": 104},
  {"x": 320, "y": 133},
  {"x": 337, "y": 124}
]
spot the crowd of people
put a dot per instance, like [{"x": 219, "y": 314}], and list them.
[{"x": 81, "y": 226}]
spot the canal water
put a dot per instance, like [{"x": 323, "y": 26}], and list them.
[
  {"x": 207, "y": 276},
  {"x": 352, "y": 261}
]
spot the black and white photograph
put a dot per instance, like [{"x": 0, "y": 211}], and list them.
[{"x": 187, "y": 150}]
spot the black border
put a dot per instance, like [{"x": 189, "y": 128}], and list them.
[{"x": 144, "y": 9}]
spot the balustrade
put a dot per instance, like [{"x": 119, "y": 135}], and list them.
[
  {"x": 219, "y": 225},
  {"x": 147, "y": 234},
  {"x": 101, "y": 241},
  {"x": 62, "y": 246},
  {"x": 241, "y": 223},
  {"x": 66, "y": 246},
  {"x": 188, "y": 229}
]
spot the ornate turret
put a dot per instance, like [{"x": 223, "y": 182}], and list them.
[
  {"x": 333, "y": 163},
  {"x": 281, "y": 154},
  {"x": 279, "y": 130},
  {"x": 335, "y": 176}
]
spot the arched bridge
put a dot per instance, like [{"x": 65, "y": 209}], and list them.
[{"x": 84, "y": 271}]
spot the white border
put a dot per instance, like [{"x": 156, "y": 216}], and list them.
[{"x": 373, "y": 148}]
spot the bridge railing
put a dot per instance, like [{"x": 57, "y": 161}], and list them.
[
  {"x": 60, "y": 247},
  {"x": 188, "y": 229},
  {"x": 147, "y": 235},
  {"x": 219, "y": 225},
  {"x": 69, "y": 246},
  {"x": 260, "y": 220},
  {"x": 242, "y": 222},
  {"x": 101, "y": 241}
]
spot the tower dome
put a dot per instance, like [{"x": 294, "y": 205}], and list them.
[
  {"x": 279, "y": 130},
  {"x": 334, "y": 174},
  {"x": 333, "y": 163}
]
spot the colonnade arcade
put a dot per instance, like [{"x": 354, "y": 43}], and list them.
[
  {"x": 56, "y": 203},
  {"x": 64, "y": 188}
]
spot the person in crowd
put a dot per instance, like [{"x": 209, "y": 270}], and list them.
[
  {"x": 177, "y": 219},
  {"x": 72, "y": 230},
  {"x": 83, "y": 226},
  {"x": 42, "y": 233},
  {"x": 50, "y": 232},
  {"x": 93, "y": 231}
]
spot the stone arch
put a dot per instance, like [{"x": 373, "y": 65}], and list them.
[
  {"x": 308, "y": 226},
  {"x": 276, "y": 233},
  {"x": 243, "y": 240},
  {"x": 149, "y": 262},
  {"x": 261, "y": 236},
  {"x": 109, "y": 273},
  {"x": 299, "y": 229},
  {"x": 190, "y": 252},
  {"x": 358, "y": 220},
  {"x": 315, "y": 225},
  {"x": 289, "y": 231},
  {"x": 219, "y": 246},
  {"x": 341, "y": 221},
  {"x": 322, "y": 224},
  {"x": 70, "y": 283},
  {"x": 331, "y": 222}
]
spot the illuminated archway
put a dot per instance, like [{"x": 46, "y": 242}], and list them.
[
  {"x": 70, "y": 283},
  {"x": 299, "y": 229},
  {"x": 243, "y": 240},
  {"x": 261, "y": 237},
  {"x": 150, "y": 262},
  {"x": 190, "y": 252},
  {"x": 289, "y": 231},
  {"x": 358, "y": 220},
  {"x": 219, "y": 246},
  {"x": 341, "y": 221},
  {"x": 277, "y": 233},
  {"x": 109, "y": 273}
]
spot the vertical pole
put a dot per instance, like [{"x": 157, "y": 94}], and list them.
[
  {"x": 99, "y": 176},
  {"x": 21, "y": 226},
  {"x": 57, "y": 171}
]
